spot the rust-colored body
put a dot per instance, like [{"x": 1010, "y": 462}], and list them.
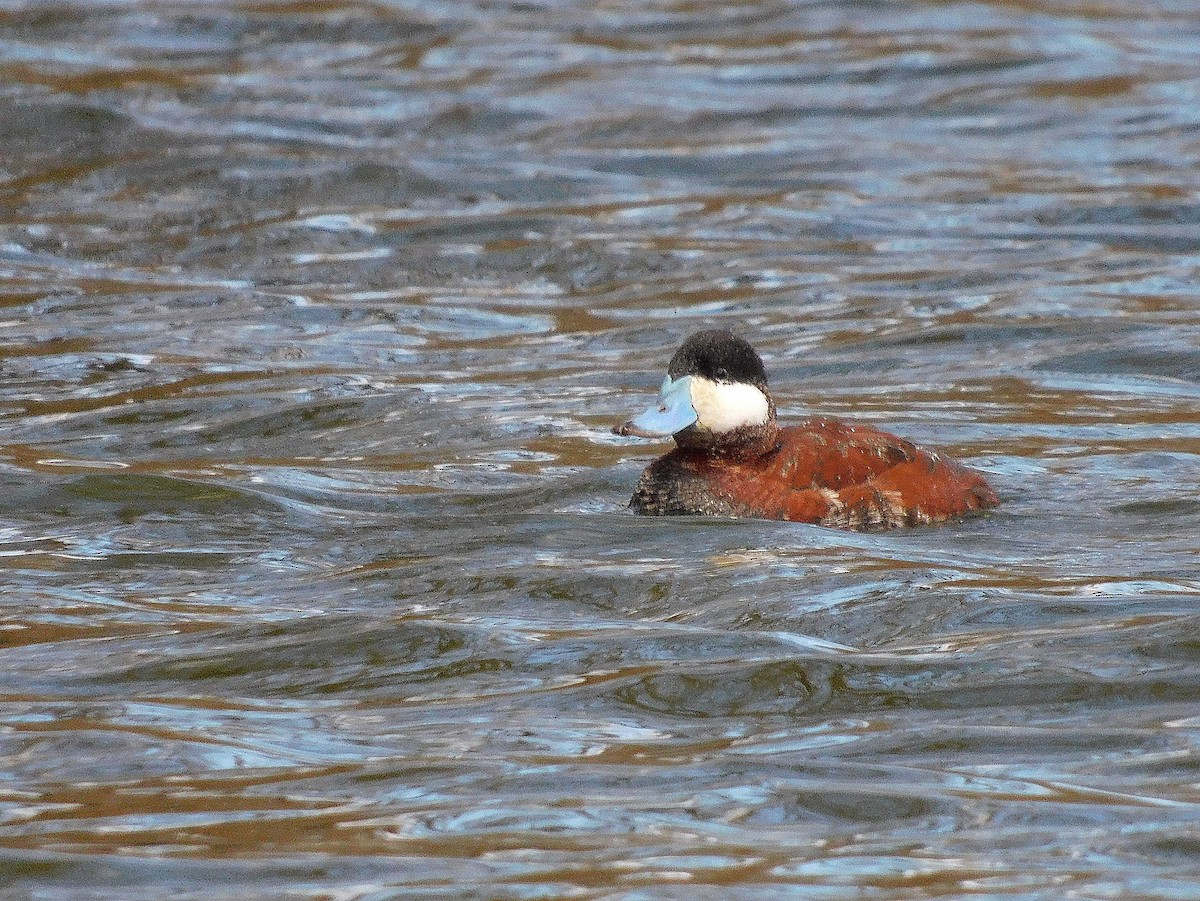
[{"x": 821, "y": 471}]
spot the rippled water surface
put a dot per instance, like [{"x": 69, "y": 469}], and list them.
[{"x": 318, "y": 577}]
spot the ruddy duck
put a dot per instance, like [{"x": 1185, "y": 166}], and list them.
[{"x": 733, "y": 459}]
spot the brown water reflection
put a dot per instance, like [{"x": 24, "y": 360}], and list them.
[{"x": 319, "y": 581}]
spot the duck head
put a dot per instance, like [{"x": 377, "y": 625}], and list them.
[{"x": 714, "y": 397}]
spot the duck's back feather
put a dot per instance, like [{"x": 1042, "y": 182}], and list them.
[{"x": 821, "y": 471}]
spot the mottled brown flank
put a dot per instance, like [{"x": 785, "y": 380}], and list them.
[{"x": 822, "y": 472}]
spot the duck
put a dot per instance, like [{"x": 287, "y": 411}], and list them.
[{"x": 733, "y": 459}]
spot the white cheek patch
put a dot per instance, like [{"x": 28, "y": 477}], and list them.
[{"x": 722, "y": 407}]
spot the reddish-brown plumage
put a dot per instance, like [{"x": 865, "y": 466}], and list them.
[{"x": 830, "y": 473}]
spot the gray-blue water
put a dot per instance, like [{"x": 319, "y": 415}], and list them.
[{"x": 317, "y": 577}]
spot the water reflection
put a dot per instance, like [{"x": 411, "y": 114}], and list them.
[{"x": 319, "y": 578}]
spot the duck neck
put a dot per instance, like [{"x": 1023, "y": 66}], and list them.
[{"x": 745, "y": 443}]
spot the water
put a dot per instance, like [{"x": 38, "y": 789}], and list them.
[{"x": 318, "y": 577}]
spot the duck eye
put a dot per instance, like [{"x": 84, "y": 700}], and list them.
[{"x": 721, "y": 374}]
